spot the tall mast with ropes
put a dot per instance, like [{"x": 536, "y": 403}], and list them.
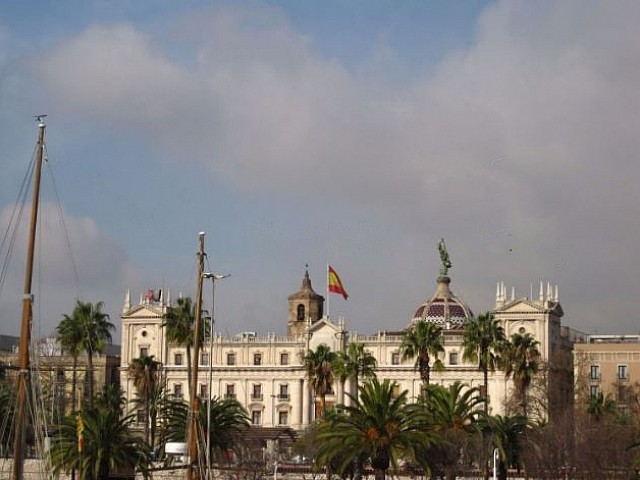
[
  {"x": 27, "y": 315},
  {"x": 192, "y": 437}
]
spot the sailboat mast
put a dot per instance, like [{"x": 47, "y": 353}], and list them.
[
  {"x": 27, "y": 316},
  {"x": 192, "y": 438}
]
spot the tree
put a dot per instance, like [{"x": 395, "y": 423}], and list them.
[
  {"x": 507, "y": 434},
  {"x": 452, "y": 413},
  {"x": 318, "y": 365},
  {"x": 483, "y": 339},
  {"x": 98, "y": 441},
  {"x": 522, "y": 360},
  {"x": 70, "y": 336},
  {"x": 378, "y": 425},
  {"x": 145, "y": 374},
  {"x": 87, "y": 329},
  {"x": 354, "y": 364},
  {"x": 422, "y": 341},
  {"x": 228, "y": 421},
  {"x": 179, "y": 322}
]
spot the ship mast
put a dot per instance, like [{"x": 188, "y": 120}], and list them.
[
  {"x": 27, "y": 316},
  {"x": 192, "y": 437}
]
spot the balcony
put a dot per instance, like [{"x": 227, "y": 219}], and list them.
[
  {"x": 284, "y": 397},
  {"x": 229, "y": 396},
  {"x": 256, "y": 397}
]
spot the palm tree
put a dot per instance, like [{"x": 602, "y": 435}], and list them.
[
  {"x": 378, "y": 425},
  {"x": 483, "y": 339},
  {"x": 506, "y": 435},
  {"x": 354, "y": 364},
  {"x": 98, "y": 441},
  {"x": 422, "y": 341},
  {"x": 89, "y": 326},
  {"x": 179, "y": 322},
  {"x": 70, "y": 336},
  {"x": 522, "y": 360},
  {"x": 452, "y": 413},
  {"x": 318, "y": 365},
  {"x": 145, "y": 374},
  {"x": 228, "y": 420}
]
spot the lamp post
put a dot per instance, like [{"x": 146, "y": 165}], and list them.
[{"x": 213, "y": 277}]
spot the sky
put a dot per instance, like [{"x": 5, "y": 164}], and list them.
[{"x": 294, "y": 133}]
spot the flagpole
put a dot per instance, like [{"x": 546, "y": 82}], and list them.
[{"x": 328, "y": 290}]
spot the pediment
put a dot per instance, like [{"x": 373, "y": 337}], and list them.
[
  {"x": 144, "y": 311},
  {"x": 521, "y": 305},
  {"x": 324, "y": 325},
  {"x": 525, "y": 306}
]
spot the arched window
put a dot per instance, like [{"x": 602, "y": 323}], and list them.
[{"x": 301, "y": 312}]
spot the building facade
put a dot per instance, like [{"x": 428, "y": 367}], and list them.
[
  {"x": 609, "y": 365},
  {"x": 266, "y": 373}
]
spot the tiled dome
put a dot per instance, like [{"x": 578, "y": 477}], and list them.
[{"x": 444, "y": 308}]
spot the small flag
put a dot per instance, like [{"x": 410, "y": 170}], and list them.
[{"x": 335, "y": 285}]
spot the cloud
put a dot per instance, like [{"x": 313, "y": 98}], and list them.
[
  {"x": 530, "y": 130},
  {"x": 73, "y": 260}
]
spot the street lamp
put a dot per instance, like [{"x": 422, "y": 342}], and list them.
[{"x": 213, "y": 277}]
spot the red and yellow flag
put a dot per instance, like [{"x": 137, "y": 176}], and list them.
[{"x": 335, "y": 285}]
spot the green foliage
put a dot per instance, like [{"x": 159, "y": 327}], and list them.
[
  {"x": 145, "y": 371},
  {"x": 377, "y": 426},
  {"x": 318, "y": 365},
  {"x": 355, "y": 363},
  {"x": 422, "y": 341},
  {"x": 88, "y": 330},
  {"x": 483, "y": 340},
  {"x": 451, "y": 414},
  {"x": 228, "y": 420},
  {"x": 108, "y": 444},
  {"x": 521, "y": 359}
]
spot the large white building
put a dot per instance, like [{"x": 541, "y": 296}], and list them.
[{"x": 266, "y": 375}]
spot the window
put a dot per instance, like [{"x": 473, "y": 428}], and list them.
[
  {"x": 300, "y": 313},
  {"x": 257, "y": 359},
  {"x": 623, "y": 374},
  {"x": 140, "y": 417},
  {"x": 283, "y": 418},
  {"x": 177, "y": 390},
  {"x": 230, "y": 391},
  {"x": 453, "y": 358},
  {"x": 144, "y": 351},
  {"x": 594, "y": 390},
  {"x": 177, "y": 359},
  {"x": 204, "y": 358},
  {"x": 284, "y": 359},
  {"x": 256, "y": 417},
  {"x": 595, "y": 372},
  {"x": 395, "y": 358},
  {"x": 284, "y": 392},
  {"x": 204, "y": 390},
  {"x": 231, "y": 358},
  {"x": 257, "y": 392}
]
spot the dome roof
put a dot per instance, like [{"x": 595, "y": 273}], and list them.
[
  {"x": 306, "y": 291},
  {"x": 443, "y": 308}
]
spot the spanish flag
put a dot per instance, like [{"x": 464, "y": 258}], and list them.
[{"x": 335, "y": 285}]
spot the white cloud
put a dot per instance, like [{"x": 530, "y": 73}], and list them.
[
  {"x": 530, "y": 131},
  {"x": 73, "y": 260}
]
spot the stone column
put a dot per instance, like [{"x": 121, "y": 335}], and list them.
[{"x": 305, "y": 405}]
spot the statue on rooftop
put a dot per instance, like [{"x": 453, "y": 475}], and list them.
[{"x": 444, "y": 258}]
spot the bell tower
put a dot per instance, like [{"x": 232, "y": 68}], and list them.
[{"x": 303, "y": 305}]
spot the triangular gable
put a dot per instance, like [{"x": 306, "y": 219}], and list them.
[
  {"x": 524, "y": 305},
  {"x": 324, "y": 332},
  {"x": 144, "y": 311},
  {"x": 521, "y": 305}
]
